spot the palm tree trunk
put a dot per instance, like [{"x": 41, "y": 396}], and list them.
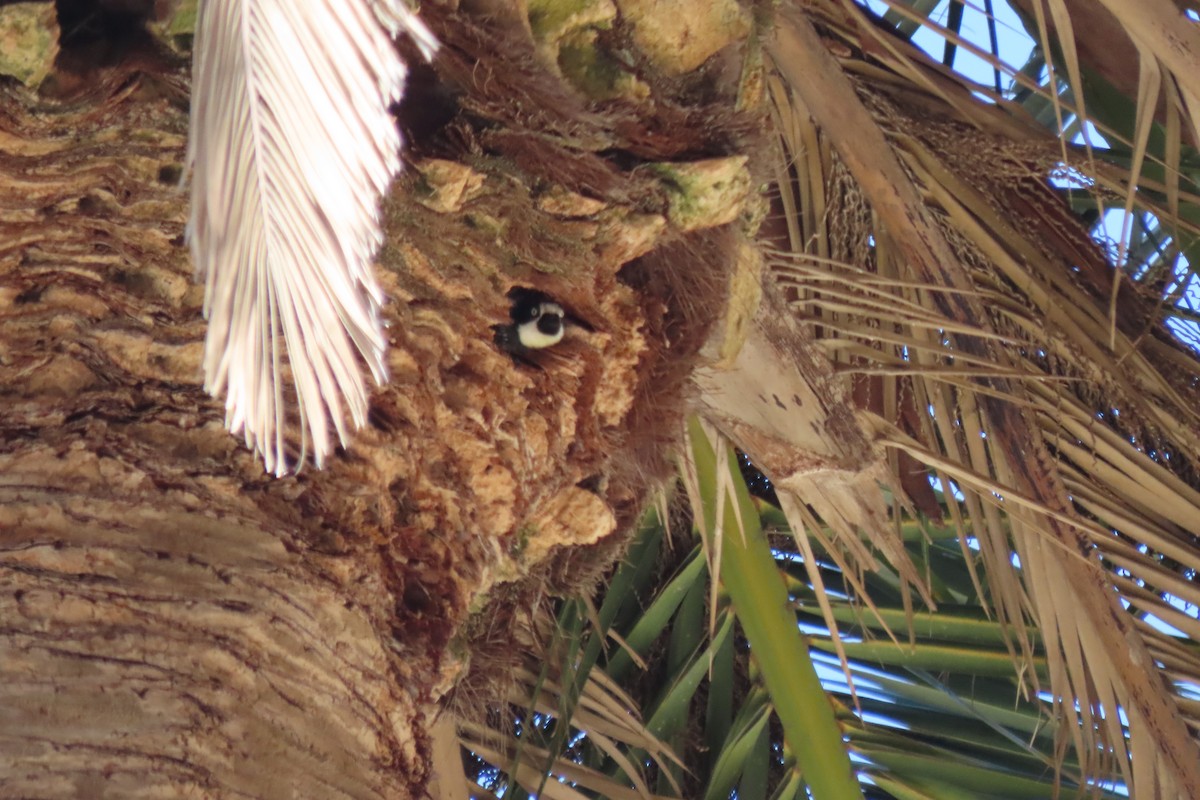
[
  {"x": 174, "y": 621},
  {"x": 160, "y": 642}
]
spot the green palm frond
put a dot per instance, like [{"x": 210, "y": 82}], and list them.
[{"x": 927, "y": 703}]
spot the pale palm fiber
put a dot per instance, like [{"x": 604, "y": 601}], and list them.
[{"x": 292, "y": 147}]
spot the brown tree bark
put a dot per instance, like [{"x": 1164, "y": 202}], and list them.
[{"x": 172, "y": 620}]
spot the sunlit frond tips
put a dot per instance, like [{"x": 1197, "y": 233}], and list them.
[{"x": 292, "y": 147}]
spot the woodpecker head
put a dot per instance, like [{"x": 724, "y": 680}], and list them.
[{"x": 537, "y": 323}]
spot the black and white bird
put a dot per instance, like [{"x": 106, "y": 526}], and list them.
[{"x": 537, "y": 323}]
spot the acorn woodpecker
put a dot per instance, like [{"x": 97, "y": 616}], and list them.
[{"x": 537, "y": 323}]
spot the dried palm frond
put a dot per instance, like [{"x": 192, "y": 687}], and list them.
[
  {"x": 293, "y": 146},
  {"x": 939, "y": 269}
]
